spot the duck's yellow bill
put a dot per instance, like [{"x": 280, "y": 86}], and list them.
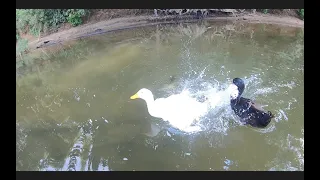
[{"x": 134, "y": 96}]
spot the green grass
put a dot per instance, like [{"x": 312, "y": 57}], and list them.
[{"x": 37, "y": 21}]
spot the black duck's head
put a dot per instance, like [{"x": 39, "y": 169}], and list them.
[{"x": 240, "y": 84}]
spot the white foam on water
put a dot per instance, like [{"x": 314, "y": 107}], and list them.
[
  {"x": 296, "y": 145},
  {"x": 281, "y": 115},
  {"x": 289, "y": 85},
  {"x": 268, "y": 129}
]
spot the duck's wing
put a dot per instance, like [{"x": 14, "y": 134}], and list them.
[
  {"x": 162, "y": 106},
  {"x": 180, "y": 110},
  {"x": 168, "y": 108},
  {"x": 251, "y": 103},
  {"x": 257, "y": 106},
  {"x": 245, "y": 103}
]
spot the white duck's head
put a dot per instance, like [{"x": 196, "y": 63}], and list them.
[{"x": 144, "y": 94}]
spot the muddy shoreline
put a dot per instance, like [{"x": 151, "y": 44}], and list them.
[{"x": 116, "y": 24}]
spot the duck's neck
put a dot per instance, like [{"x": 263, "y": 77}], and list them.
[
  {"x": 150, "y": 105},
  {"x": 233, "y": 102}
]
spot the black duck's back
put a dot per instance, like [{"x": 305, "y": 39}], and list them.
[
  {"x": 259, "y": 118},
  {"x": 249, "y": 114}
]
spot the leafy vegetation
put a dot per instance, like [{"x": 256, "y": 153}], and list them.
[
  {"x": 47, "y": 21},
  {"x": 74, "y": 16},
  {"x": 301, "y": 13},
  {"x": 265, "y": 11},
  {"x": 35, "y": 21}
]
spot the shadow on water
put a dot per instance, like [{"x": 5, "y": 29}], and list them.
[{"x": 74, "y": 111}]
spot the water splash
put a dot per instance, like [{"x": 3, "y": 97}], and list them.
[
  {"x": 224, "y": 117},
  {"x": 215, "y": 93}
]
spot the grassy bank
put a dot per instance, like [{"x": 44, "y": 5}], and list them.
[
  {"x": 34, "y": 24},
  {"x": 37, "y": 22}
]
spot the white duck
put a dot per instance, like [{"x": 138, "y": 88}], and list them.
[{"x": 180, "y": 110}]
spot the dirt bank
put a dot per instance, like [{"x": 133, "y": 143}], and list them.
[{"x": 105, "y": 26}]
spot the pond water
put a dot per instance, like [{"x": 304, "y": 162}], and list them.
[{"x": 74, "y": 112}]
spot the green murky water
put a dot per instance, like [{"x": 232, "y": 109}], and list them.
[{"x": 74, "y": 111}]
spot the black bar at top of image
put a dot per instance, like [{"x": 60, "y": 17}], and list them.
[{"x": 231, "y": 4}]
